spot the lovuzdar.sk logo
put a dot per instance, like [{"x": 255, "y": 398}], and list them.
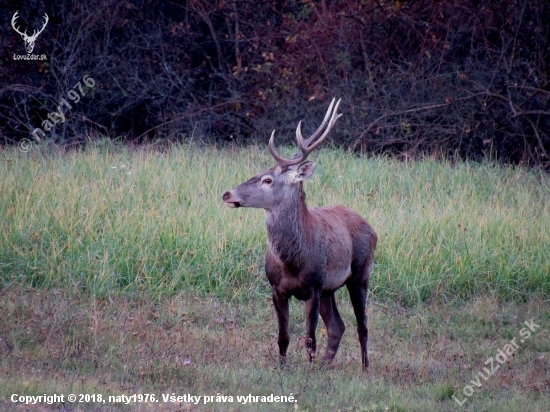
[{"x": 29, "y": 40}]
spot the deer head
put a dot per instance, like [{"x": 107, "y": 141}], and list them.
[
  {"x": 267, "y": 190},
  {"x": 29, "y": 40}
]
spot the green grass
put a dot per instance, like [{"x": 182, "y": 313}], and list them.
[
  {"x": 115, "y": 219},
  {"x": 121, "y": 271}
]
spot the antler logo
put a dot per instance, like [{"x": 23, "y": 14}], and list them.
[{"x": 29, "y": 40}]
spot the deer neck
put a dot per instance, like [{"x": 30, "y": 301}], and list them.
[{"x": 287, "y": 228}]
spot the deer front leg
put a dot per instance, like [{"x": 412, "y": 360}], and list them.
[
  {"x": 281, "y": 307},
  {"x": 312, "y": 317}
]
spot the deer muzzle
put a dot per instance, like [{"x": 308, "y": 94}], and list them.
[{"x": 230, "y": 200}]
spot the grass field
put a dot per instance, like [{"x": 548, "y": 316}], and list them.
[{"x": 121, "y": 272}]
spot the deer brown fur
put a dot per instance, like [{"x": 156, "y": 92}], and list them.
[{"x": 311, "y": 252}]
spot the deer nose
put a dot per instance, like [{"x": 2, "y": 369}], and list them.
[{"x": 226, "y": 196}]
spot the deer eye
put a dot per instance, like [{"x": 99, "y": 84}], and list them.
[{"x": 267, "y": 180}]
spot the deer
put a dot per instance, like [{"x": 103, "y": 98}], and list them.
[
  {"x": 29, "y": 40},
  {"x": 311, "y": 252}
]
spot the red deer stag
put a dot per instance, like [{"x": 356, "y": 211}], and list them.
[{"x": 311, "y": 253}]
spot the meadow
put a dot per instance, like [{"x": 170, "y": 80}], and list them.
[{"x": 122, "y": 271}]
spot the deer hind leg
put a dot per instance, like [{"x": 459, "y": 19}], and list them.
[
  {"x": 334, "y": 324},
  {"x": 358, "y": 296},
  {"x": 358, "y": 284}
]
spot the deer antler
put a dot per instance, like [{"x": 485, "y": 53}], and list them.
[
  {"x": 306, "y": 146},
  {"x": 15, "y": 16},
  {"x": 36, "y": 33},
  {"x": 26, "y": 37}
]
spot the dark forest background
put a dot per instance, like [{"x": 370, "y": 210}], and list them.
[{"x": 460, "y": 78}]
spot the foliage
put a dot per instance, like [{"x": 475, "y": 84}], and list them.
[{"x": 465, "y": 78}]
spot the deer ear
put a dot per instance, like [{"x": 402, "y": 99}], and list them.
[{"x": 304, "y": 171}]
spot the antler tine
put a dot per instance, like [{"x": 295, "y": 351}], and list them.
[
  {"x": 280, "y": 160},
  {"x": 272, "y": 150},
  {"x": 46, "y": 20},
  {"x": 314, "y": 135},
  {"x": 13, "y": 19},
  {"x": 305, "y": 144}
]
